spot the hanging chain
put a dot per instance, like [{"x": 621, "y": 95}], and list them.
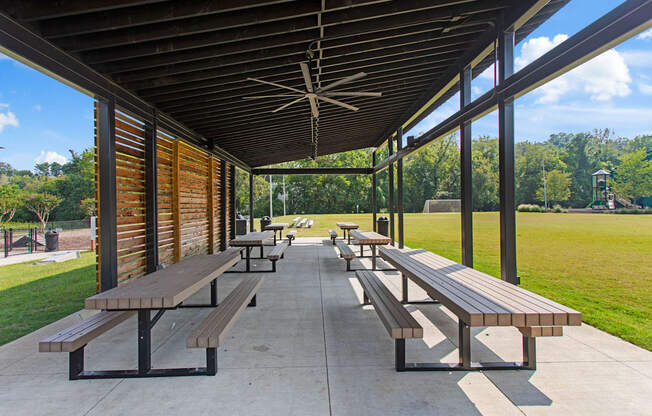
[{"x": 315, "y": 137}]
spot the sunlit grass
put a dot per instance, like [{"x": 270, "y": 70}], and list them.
[{"x": 598, "y": 264}]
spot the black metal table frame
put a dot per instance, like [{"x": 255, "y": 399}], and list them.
[
  {"x": 248, "y": 259},
  {"x": 465, "y": 364},
  {"x": 344, "y": 233},
  {"x": 280, "y": 233},
  {"x": 373, "y": 256},
  {"x": 145, "y": 324}
]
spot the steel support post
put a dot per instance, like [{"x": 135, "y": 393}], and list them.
[
  {"x": 390, "y": 205},
  {"x": 399, "y": 187},
  {"x": 223, "y": 237},
  {"x": 374, "y": 196},
  {"x": 506, "y": 161},
  {"x": 251, "y": 202},
  {"x": 151, "y": 208},
  {"x": 466, "y": 171},
  {"x": 107, "y": 184},
  {"x": 144, "y": 341},
  {"x": 232, "y": 202}
]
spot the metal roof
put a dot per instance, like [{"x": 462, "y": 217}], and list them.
[{"x": 191, "y": 60}]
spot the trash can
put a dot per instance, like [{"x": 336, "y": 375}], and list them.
[
  {"x": 51, "y": 240},
  {"x": 264, "y": 222},
  {"x": 240, "y": 225},
  {"x": 382, "y": 225}
]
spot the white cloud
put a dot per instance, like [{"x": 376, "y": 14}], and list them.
[
  {"x": 640, "y": 58},
  {"x": 603, "y": 77},
  {"x": 7, "y": 118},
  {"x": 645, "y": 35},
  {"x": 50, "y": 157},
  {"x": 37, "y": 107},
  {"x": 645, "y": 88}
]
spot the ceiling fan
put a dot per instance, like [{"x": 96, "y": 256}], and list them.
[{"x": 314, "y": 94}]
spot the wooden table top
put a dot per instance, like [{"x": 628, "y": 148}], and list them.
[
  {"x": 167, "y": 288},
  {"x": 370, "y": 237},
  {"x": 252, "y": 239},
  {"x": 347, "y": 225},
  {"x": 276, "y": 226},
  {"x": 477, "y": 298}
]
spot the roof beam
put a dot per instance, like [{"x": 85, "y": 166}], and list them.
[
  {"x": 29, "y": 10},
  {"x": 312, "y": 171}
]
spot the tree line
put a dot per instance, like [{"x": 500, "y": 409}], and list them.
[
  {"x": 433, "y": 172},
  {"x": 52, "y": 191},
  {"x": 60, "y": 192}
]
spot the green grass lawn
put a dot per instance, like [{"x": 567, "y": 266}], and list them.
[
  {"x": 32, "y": 296},
  {"x": 598, "y": 264}
]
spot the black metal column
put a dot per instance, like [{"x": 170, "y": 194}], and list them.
[
  {"x": 107, "y": 183},
  {"x": 390, "y": 173},
  {"x": 222, "y": 205},
  {"x": 151, "y": 208},
  {"x": 251, "y": 202},
  {"x": 144, "y": 341},
  {"x": 232, "y": 202},
  {"x": 506, "y": 161},
  {"x": 374, "y": 196},
  {"x": 466, "y": 172},
  {"x": 399, "y": 187}
]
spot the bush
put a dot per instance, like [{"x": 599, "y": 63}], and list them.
[
  {"x": 647, "y": 210},
  {"x": 557, "y": 208},
  {"x": 530, "y": 208}
]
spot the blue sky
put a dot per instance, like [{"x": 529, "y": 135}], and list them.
[{"x": 40, "y": 118}]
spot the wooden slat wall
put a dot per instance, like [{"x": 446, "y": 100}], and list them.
[
  {"x": 165, "y": 154},
  {"x": 229, "y": 208},
  {"x": 217, "y": 206},
  {"x": 130, "y": 196},
  {"x": 193, "y": 200},
  {"x": 188, "y": 198}
]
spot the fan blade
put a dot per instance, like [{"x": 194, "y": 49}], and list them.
[
  {"x": 352, "y": 94},
  {"x": 276, "y": 85},
  {"x": 305, "y": 70},
  {"x": 254, "y": 97},
  {"x": 340, "y": 103},
  {"x": 288, "y": 104},
  {"x": 313, "y": 106},
  {"x": 343, "y": 81}
]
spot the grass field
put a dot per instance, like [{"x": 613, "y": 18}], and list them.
[
  {"x": 32, "y": 296},
  {"x": 598, "y": 264}
]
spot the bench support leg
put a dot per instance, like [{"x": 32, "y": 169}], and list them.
[
  {"x": 365, "y": 298},
  {"x": 404, "y": 286},
  {"x": 144, "y": 341},
  {"x": 214, "y": 292},
  {"x": 211, "y": 361},
  {"x": 273, "y": 266},
  {"x": 76, "y": 363},
  {"x": 348, "y": 265},
  {"x": 252, "y": 303},
  {"x": 529, "y": 352},
  {"x": 465, "y": 363},
  {"x": 399, "y": 358}
]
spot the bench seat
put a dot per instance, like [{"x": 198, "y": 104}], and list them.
[
  {"x": 397, "y": 320},
  {"x": 213, "y": 330},
  {"x": 291, "y": 235},
  {"x": 333, "y": 235},
  {"x": 477, "y": 299},
  {"x": 80, "y": 334},
  {"x": 346, "y": 253}
]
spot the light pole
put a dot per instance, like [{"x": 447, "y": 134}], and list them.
[
  {"x": 270, "y": 197},
  {"x": 285, "y": 196},
  {"x": 545, "y": 187}
]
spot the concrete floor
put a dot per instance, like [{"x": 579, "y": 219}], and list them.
[{"x": 309, "y": 348}]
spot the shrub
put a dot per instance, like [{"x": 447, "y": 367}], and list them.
[
  {"x": 557, "y": 208},
  {"x": 647, "y": 210},
  {"x": 530, "y": 208}
]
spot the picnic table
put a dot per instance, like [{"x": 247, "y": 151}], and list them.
[
  {"x": 347, "y": 226},
  {"x": 277, "y": 226},
  {"x": 250, "y": 240},
  {"x": 371, "y": 239},
  {"x": 162, "y": 290}
]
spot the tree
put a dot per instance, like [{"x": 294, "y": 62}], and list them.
[
  {"x": 89, "y": 206},
  {"x": 633, "y": 176},
  {"x": 42, "y": 169},
  {"x": 41, "y": 205},
  {"x": 557, "y": 187},
  {"x": 10, "y": 201},
  {"x": 485, "y": 173},
  {"x": 56, "y": 169}
]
